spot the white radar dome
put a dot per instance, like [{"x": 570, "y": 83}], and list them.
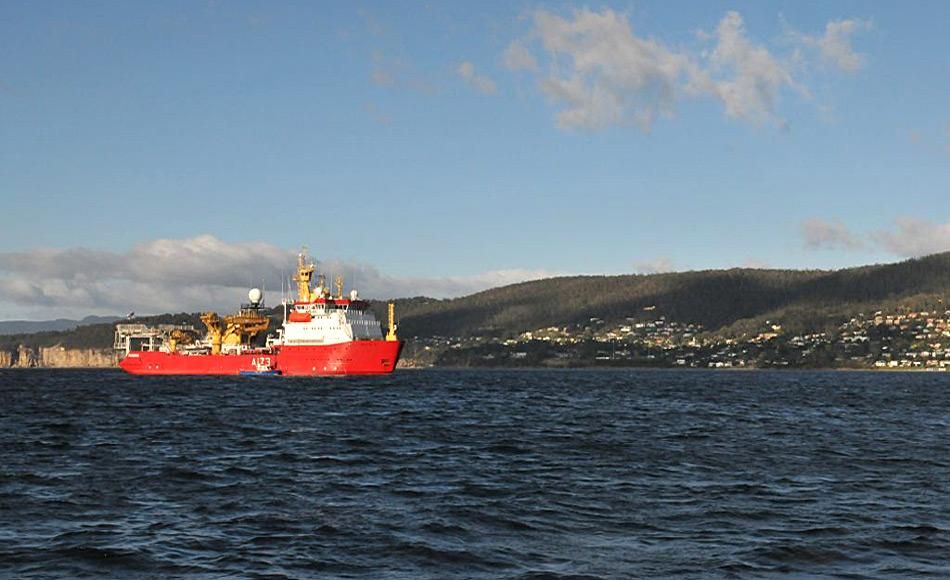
[{"x": 255, "y": 295}]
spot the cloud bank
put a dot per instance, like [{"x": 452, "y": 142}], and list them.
[
  {"x": 910, "y": 237},
  {"x": 834, "y": 45},
  {"x": 820, "y": 234},
  {"x": 600, "y": 72},
  {"x": 190, "y": 275},
  {"x": 658, "y": 266}
]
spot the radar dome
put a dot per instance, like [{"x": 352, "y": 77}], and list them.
[{"x": 255, "y": 295}]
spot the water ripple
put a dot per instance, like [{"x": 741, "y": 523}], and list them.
[{"x": 458, "y": 474}]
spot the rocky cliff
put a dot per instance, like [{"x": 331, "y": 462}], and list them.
[{"x": 56, "y": 357}]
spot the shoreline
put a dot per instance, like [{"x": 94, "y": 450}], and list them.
[{"x": 564, "y": 369}]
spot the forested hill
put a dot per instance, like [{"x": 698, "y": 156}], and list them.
[
  {"x": 30, "y": 326},
  {"x": 723, "y": 300},
  {"x": 728, "y": 302}
]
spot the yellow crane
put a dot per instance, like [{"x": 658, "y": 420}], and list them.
[
  {"x": 177, "y": 337},
  {"x": 302, "y": 278},
  {"x": 233, "y": 330},
  {"x": 391, "y": 334}
]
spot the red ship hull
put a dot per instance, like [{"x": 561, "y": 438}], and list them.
[{"x": 358, "y": 357}]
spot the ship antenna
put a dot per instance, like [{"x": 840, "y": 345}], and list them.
[{"x": 283, "y": 296}]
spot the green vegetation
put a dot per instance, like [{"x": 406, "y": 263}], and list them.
[{"x": 723, "y": 301}]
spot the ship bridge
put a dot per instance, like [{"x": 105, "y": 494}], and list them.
[{"x": 319, "y": 317}]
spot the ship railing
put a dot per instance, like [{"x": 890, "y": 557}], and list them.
[
  {"x": 146, "y": 329},
  {"x": 149, "y": 337}
]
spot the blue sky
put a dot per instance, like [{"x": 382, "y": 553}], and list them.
[{"x": 439, "y": 148}]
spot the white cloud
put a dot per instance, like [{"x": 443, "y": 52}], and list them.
[
  {"x": 657, "y": 266},
  {"x": 481, "y": 83},
  {"x": 820, "y": 234},
  {"x": 601, "y": 73},
  {"x": 910, "y": 237},
  {"x": 835, "y": 44},
  {"x": 915, "y": 237},
  {"x": 517, "y": 57},
  {"x": 746, "y": 77},
  {"x": 374, "y": 283},
  {"x": 191, "y": 275}
]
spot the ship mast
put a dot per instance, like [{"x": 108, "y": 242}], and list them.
[
  {"x": 391, "y": 334},
  {"x": 302, "y": 278}
]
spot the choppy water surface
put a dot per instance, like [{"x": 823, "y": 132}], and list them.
[{"x": 459, "y": 474}]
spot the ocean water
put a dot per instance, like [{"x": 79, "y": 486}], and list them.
[{"x": 474, "y": 474}]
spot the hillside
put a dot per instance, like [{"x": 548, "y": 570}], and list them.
[
  {"x": 720, "y": 300},
  {"x": 33, "y": 326}
]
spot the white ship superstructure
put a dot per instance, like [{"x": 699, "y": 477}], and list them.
[{"x": 322, "y": 323}]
